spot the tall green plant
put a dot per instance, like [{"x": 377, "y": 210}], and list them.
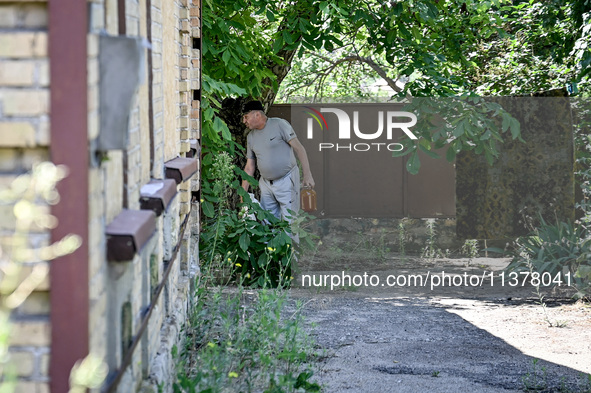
[
  {"x": 559, "y": 253},
  {"x": 245, "y": 343}
]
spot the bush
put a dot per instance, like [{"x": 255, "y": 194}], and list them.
[
  {"x": 245, "y": 342},
  {"x": 254, "y": 247},
  {"x": 562, "y": 250}
]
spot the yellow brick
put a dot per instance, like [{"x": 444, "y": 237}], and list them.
[
  {"x": 36, "y": 304},
  {"x": 92, "y": 45},
  {"x": 185, "y": 196},
  {"x": 8, "y": 16},
  {"x": 43, "y": 387},
  {"x": 25, "y": 387},
  {"x": 8, "y": 163},
  {"x": 31, "y": 157},
  {"x": 93, "y": 125},
  {"x": 185, "y": 186},
  {"x": 35, "y": 15},
  {"x": 45, "y": 364},
  {"x": 184, "y": 208},
  {"x": 43, "y": 70},
  {"x": 195, "y": 73},
  {"x": 185, "y": 26},
  {"x": 31, "y": 387},
  {"x": 17, "y": 134},
  {"x": 30, "y": 333},
  {"x": 24, "y": 362},
  {"x": 25, "y": 102},
  {"x": 93, "y": 71},
  {"x": 17, "y": 73},
  {"x": 23, "y": 44},
  {"x": 185, "y": 146},
  {"x": 43, "y": 135},
  {"x": 195, "y": 129},
  {"x": 185, "y": 97},
  {"x": 184, "y": 86}
]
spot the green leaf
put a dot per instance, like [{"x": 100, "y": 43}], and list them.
[
  {"x": 263, "y": 260},
  {"x": 208, "y": 209},
  {"x": 270, "y": 16},
  {"x": 244, "y": 241},
  {"x": 414, "y": 163},
  {"x": 287, "y": 37},
  {"x": 515, "y": 128},
  {"x": 506, "y": 122},
  {"x": 450, "y": 155},
  {"x": 278, "y": 44},
  {"x": 459, "y": 131},
  {"x": 428, "y": 152},
  {"x": 226, "y": 56}
]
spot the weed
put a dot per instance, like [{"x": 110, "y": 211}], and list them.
[
  {"x": 435, "y": 374},
  {"x": 541, "y": 301},
  {"x": 470, "y": 248},
  {"x": 250, "y": 245},
  {"x": 558, "y": 250},
  {"x": 244, "y": 341},
  {"x": 401, "y": 239},
  {"x": 335, "y": 254},
  {"x": 536, "y": 379},
  {"x": 431, "y": 251}
]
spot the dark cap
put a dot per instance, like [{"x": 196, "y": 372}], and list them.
[{"x": 252, "y": 106}]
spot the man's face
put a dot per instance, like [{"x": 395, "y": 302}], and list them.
[{"x": 252, "y": 120}]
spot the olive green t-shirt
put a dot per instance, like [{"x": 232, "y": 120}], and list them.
[{"x": 269, "y": 146}]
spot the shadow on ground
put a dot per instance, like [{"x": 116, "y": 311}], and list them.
[{"x": 449, "y": 338}]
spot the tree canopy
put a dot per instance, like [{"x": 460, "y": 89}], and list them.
[{"x": 332, "y": 49}]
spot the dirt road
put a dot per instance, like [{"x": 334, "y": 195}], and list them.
[{"x": 453, "y": 337}]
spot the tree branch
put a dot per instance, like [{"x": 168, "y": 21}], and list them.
[{"x": 367, "y": 60}]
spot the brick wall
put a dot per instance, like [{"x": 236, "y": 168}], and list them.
[
  {"x": 24, "y": 140},
  {"x": 163, "y": 120}
]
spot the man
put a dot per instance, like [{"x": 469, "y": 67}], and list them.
[{"x": 270, "y": 146}]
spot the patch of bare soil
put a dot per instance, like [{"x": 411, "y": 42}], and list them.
[{"x": 457, "y": 325}]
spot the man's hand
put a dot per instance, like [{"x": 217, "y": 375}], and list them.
[{"x": 308, "y": 180}]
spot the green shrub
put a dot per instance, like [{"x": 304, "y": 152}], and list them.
[
  {"x": 256, "y": 248},
  {"x": 562, "y": 250},
  {"x": 245, "y": 342}
]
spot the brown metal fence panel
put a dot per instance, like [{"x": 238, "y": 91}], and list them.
[{"x": 358, "y": 176}]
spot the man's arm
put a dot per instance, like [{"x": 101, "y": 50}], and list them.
[
  {"x": 302, "y": 156},
  {"x": 249, "y": 169}
]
